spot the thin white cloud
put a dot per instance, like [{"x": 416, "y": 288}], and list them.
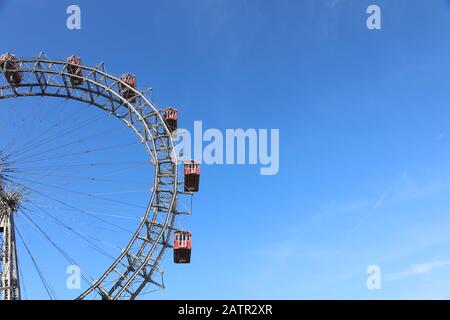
[
  {"x": 417, "y": 269},
  {"x": 333, "y": 3},
  {"x": 375, "y": 206},
  {"x": 382, "y": 198},
  {"x": 439, "y": 137}
]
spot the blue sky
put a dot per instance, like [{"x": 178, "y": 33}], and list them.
[{"x": 364, "y": 134}]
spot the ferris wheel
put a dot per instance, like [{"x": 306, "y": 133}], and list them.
[{"x": 57, "y": 194}]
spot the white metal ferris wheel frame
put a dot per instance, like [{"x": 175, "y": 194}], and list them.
[{"x": 139, "y": 263}]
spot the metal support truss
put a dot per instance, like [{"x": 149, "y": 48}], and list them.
[{"x": 9, "y": 272}]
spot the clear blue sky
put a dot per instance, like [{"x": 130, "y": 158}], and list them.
[{"x": 364, "y": 121}]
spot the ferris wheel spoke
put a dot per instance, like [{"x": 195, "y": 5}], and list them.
[
  {"x": 59, "y": 147},
  {"x": 94, "y": 227},
  {"x": 23, "y": 287},
  {"x": 112, "y": 173},
  {"x": 102, "y": 214},
  {"x": 84, "y": 194},
  {"x": 88, "y": 279},
  {"x": 84, "y": 152},
  {"x": 65, "y": 204},
  {"x": 10, "y": 120},
  {"x": 48, "y": 174},
  {"x": 48, "y": 288},
  {"x": 55, "y": 136},
  {"x": 78, "y": 165},
  {"x": 42, "y": 137},
  {"x": 89, "y": 239},
  {"x": 29, "y": 129},
  {"x": 73, "y": 230},
  {"x": 92, "y": 179},
  {"x": 76, "y": 219}
]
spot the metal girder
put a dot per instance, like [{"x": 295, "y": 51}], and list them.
[{"x": 9, "y": 273}]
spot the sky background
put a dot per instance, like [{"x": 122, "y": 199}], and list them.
[{"x": 364, "y": 123}]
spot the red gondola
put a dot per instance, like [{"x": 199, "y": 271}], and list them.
[
  {"x": 191, "y": 176},
  {"x": 74, "y": 69},
  {"x": 127, "y": 93},
  {"x": 182, "y": 246},
  {"x": 10, "y": 68},
  {"x": 171, "y": 118}
]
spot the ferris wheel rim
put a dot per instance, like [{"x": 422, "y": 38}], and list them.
[{"x": 44, "y": 69}]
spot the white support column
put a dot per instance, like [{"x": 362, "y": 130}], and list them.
[{"x": 10, "y": 286}]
